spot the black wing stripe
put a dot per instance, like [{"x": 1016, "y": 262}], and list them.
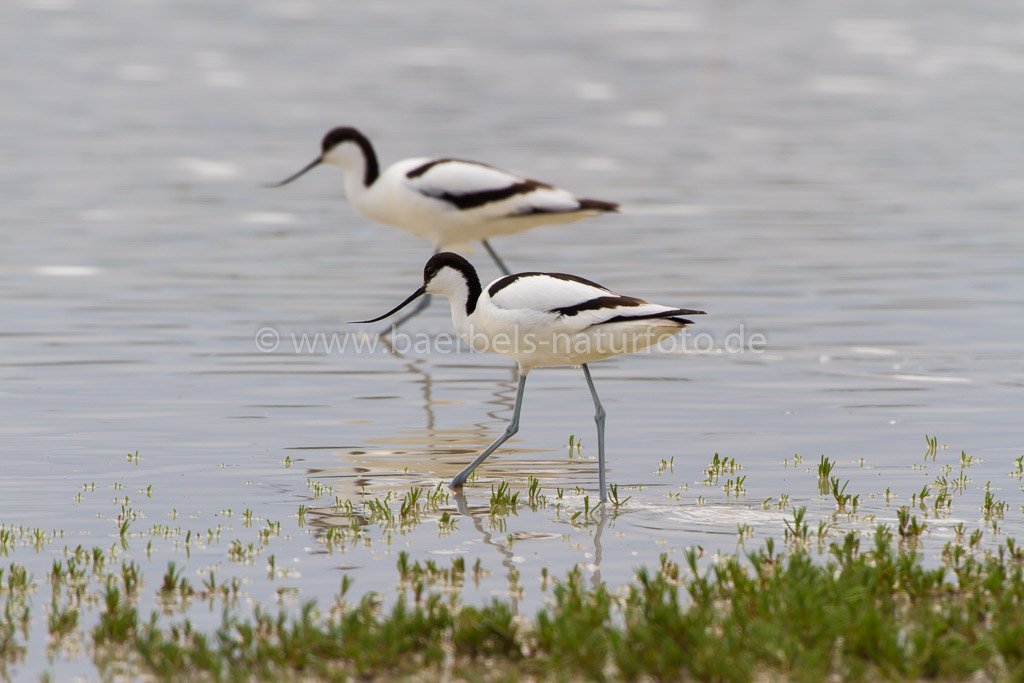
[
  {"x": 473, "y": 200},
  {"x": 598, "y": 303},
  {"x": 423, "y": 168},
  {"x": 504, "y": 282}
]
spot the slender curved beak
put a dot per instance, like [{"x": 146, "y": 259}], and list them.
[
  {"x": 316, "y": 162},
  {"x": 415, "y": 295}
]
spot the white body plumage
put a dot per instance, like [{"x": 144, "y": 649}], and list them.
[
  {"x": 550, "y": 319},
  {"x": 449, "y": 202},
  {"x": 544, "y": 319}
]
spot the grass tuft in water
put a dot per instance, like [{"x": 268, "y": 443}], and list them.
[
  {"x": 614, "y": 496},
  {"x": 864, "y": 611}
]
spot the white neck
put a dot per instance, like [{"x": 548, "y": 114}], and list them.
[
  {"x": 452, "y": 284},
  {"x": 356, "y": 165}
]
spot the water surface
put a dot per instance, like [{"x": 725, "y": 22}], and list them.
[{"x": 845, "y": 179}]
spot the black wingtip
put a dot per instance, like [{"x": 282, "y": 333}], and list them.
[
  {"x": 664, "y": 315},
  {"x": 599, "y": 205},
  {"x": 684, "y": 311}
]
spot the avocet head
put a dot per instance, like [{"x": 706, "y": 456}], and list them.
[
  {"x": 342, "y": 146},
  {"x": 346, "y": 147},
  {"x": 445, "y": 273},
  {"x": 448, "y": 273}
]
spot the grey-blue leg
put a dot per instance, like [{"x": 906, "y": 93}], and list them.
[
  {"x": 494, "y": 255},
  {"x": 512, "y": 428},
  {"x": 599, "y": 419}
]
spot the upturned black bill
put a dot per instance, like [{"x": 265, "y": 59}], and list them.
[
  {"x": 316, "y": 162},
  {"x": 415, "y": 295}
]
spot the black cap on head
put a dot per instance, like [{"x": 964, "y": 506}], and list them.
[
  {"x": 446, "y": 259},
  {"x": 341, "y": 134}
]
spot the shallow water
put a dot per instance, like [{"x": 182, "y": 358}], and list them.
[{"x": 845, "y": 179}]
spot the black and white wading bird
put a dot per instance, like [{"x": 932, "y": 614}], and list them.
[
  {"x": 544, "y": 320},
  {"x": 449, "y": 202}
]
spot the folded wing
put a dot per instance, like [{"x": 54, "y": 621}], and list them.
[
  {"x": 577, "y": 302},
  {"x": 472, "y": 186}
]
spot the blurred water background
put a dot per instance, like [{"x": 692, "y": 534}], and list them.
[{"x": 845, "y": 178}]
